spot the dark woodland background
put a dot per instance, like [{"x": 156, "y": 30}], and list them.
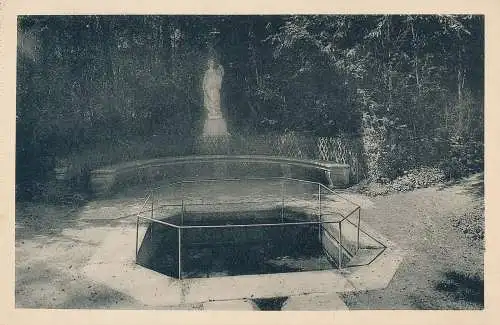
[{"x": 95, "y": 90}]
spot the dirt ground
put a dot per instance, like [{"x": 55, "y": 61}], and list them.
[{"x": 443, "y": 268}]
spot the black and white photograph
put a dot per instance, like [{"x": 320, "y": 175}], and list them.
[{"x": 237, "y": 162}]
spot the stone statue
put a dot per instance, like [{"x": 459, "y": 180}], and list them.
[
  {"x": 212, "y": 82},
  {"x": 215, "y": 124}
]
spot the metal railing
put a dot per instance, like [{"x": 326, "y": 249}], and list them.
[{"x": 323, "y": 211}]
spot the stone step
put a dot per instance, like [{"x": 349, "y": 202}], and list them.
[
  {"x": 351, "y": 253},
  {"x": 314, "y": 302},
  {"x": 364, "y": 256},
  {"x": 241, "y": 304}
]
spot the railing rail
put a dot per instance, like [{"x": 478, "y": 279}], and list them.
[{"x": 320, "y": 211}]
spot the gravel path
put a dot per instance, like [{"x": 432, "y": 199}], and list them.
[{"x": 443, "y": 268}]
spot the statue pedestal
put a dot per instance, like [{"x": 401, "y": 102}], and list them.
[
  {"x": 214, "y": 144},
  {"x": 215, "y": 141},
  {"x": 215, "y": 126}
]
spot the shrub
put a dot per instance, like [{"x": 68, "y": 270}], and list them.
[{"x": 464, "y": 158}]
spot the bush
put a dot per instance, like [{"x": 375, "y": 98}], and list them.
[
  {"x": 418, "y": 178},
  {"x": 464, "y": 158},
  {"x": 415, "y": 178}
]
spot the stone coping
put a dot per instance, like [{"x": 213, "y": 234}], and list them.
[
  {"x": 104, "y": 179},
  {"x": 324, "y": 165}
]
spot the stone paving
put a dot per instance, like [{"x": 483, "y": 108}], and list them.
[{"x": 114, "y": 265}]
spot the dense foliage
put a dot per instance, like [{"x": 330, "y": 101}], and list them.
[
  {"x": 410, "y": 86},
  {"x": 417, "y": 81}
]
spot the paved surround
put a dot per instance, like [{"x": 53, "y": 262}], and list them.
[{"x": 114, "y": 265}]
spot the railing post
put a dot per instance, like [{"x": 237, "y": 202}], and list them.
[
  {"x": 282, "y": 200},
  {"x": 359, "y": 222},
  {"x": 152, "y": 211},
  {"x": 182, "y": 190},
  {"x": 152, "y": 204},
  {"x": 340, "y": 245},
  {"x": 180, "y": 263},
  {"x": 182, "y": 212},
  {"x": 320, "y": 228},
  {"x": 136, "y": 239},
  {"x": 180, "y": 241},
  {"x": 319, "y": 217},
  {"x": 319, "y": 198}
]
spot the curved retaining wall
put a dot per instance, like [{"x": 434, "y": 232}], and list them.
[{"x": 106, "y": 180}]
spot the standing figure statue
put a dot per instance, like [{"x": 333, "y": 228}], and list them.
[
  {"x": 215, "y": 124},
  {"x": 212, "y": 82}
]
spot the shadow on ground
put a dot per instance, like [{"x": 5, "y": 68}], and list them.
[
  {"x": 39, "y": 219},
  {"x": 463, "y": 286},
  {"x": 48, "y": 286},
  {"x": 466, "y": 292}
]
